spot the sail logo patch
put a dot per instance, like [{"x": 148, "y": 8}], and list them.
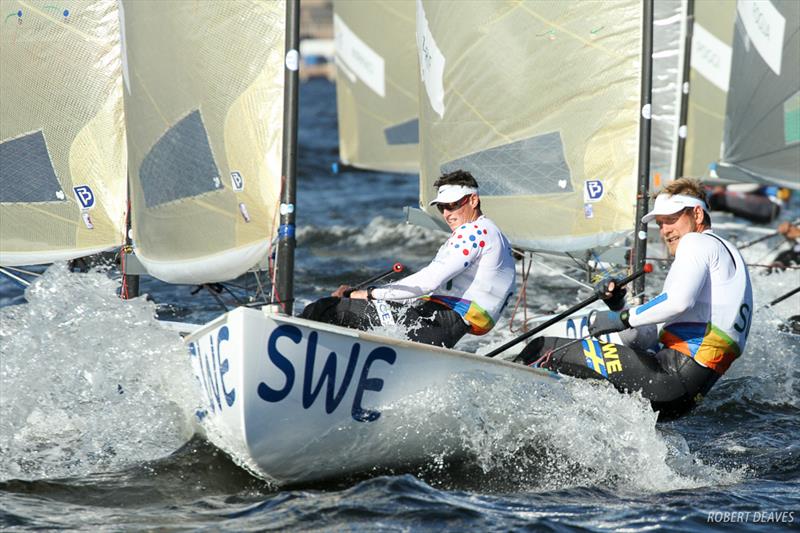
[
  {"x": 84, "y": 196},
  {"x": 237, "y": 180},
  {"x": 593, "y": 191}
]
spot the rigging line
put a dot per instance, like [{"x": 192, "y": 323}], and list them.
[
  {"x": 18, "y": 279},
  {"x": 522, "y": 298},
  {"x": 23, "y": 271},
  {"x": 556, "y": 271}
]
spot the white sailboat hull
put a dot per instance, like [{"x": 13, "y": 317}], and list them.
[{"x": 298, "y": 401}]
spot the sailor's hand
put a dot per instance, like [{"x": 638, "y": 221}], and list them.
[
  {"x": 343, "y": 291},
  {"x": 611, "y": 293},
  {"x": 789, "y": 231},
  {"x": 604, "y": 322}
]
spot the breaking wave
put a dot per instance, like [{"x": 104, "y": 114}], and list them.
[{"x": 90, "y": 382}]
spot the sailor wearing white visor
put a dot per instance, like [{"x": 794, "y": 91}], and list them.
[
  {"x": 679, "y": 343},
  {"x": 463, "y": 290}
]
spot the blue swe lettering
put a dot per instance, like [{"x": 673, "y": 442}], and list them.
[
  {"x": 332, "y": 399},
  {"x": 374, "y": 384},
  {"x": 224, "y": 335},
  {"x": 265, "y": 392}
]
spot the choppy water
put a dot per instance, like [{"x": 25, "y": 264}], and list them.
[{"x": 97, "y": 403}]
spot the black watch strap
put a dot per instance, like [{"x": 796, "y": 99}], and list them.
[
  {"x": 369, "y": 292},
  {"x": 624, "y": 316}
]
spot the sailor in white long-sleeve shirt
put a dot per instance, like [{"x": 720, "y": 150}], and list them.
[
  {"x": 679, "y": 343},
  {"x": 463, "y": 290}
]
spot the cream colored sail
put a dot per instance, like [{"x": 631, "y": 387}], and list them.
[
  {"x": 204, "y": 100},
  {"x": 376, "y": 84},
  {"x": 62, "y": 138},
  {"x": 540, "y": 101},
  {"x": 708, "y": 84}
]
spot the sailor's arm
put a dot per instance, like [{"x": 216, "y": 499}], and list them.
[
  {"x": 681, "y": 288},
  {"x": 445, "y": 266}
]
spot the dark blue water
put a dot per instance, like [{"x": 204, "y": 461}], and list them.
[{"x": 96, "y": 427}]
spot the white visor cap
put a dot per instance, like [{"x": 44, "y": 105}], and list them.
[
  {"x": 669, "y": 204},
  {"x": 450, "y": 193}
]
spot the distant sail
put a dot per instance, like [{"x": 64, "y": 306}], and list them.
[
  {"x": 204, "y": 102},
  {"x": 540, "y": 101},
  {"x": 62, "y": 137},
  {"x": 708, "y": 85},
  {"x": 667, "y": 49},
  {"x": 762, "y": 119},
  {"x": 376, "y": 84}
]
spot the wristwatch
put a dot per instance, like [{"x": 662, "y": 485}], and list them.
[{"x": 369, "y": 292}]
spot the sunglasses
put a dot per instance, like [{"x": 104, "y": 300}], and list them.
[{"x": 453, "y": 206}]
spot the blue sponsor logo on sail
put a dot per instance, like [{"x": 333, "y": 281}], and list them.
[
  {"x": 593, "y": 191},
  {"x": 84, "y": 196}
]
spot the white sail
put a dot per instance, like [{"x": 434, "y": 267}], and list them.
[
  {"x": 62, "y": 138},
  {"x": 376, "y": 84},
  {"x": 762, "y": 114},
  {"x": 540, "y": 101},
  {"x": 708, "y": 85},
  {"x": 668, "y": 25},
  {"x": 204, "y": 99}
]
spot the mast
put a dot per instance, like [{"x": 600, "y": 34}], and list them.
[
  {"x": 130, "y": 282},
  {"x": 686, "y": 60},
  {"x": 283, "y": 289},
  {"x": 645, "y": 125}
]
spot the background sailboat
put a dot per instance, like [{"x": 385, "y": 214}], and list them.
[
  {"x": 376, "y": 84},
  {"x": 762, "y": 117}
]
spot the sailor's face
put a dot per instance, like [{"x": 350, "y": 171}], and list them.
[
  {"x": 674, "y": 227},
  {"x": 460, "y": 212}
]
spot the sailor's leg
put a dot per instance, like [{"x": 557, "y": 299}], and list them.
[
  {"x": 433, "y": 323},
  {"x": 546, "y": 352},
  {"x": 347, "y": 312},
  {"x": 672, "y": 382}
]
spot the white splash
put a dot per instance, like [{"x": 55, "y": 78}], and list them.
[{"x": 90, "y": 383}]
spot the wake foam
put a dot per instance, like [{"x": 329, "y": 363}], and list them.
[{"x": 90, "y": 383}]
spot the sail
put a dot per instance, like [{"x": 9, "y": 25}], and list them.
[
  {"x": 62, "y": 138},
  {"x": 376, "y": 84},
  {"x": 709, "y": 76},
  {"x": 762, "y": 119},
  {"x": 540, "y": 101},
  {"x": 668, "y": 24},
  {"x": 204, "y": 100}
]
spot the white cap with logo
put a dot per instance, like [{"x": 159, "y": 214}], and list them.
[
  {"x": 450, "y": 193},
  {"x": 669, "y": 204}
]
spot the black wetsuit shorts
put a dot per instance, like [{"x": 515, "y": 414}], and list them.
[
  {"x": 673, "y": 382},
  {"x": 425, "y": 321}
]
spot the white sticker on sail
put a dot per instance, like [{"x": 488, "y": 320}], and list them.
[
  {"x": 358, "y": 57},
  {"x": 765, "y": 26},
  {"x": 711, "y": 57},
  {"x": 431, "y": 62}
]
